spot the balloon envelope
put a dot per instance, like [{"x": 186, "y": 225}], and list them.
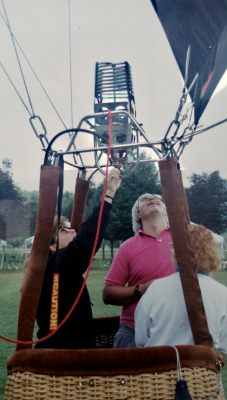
[{"x": 202, "y": 25}]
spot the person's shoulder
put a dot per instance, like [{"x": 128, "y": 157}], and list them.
[
  {"x": 167, "y": 280},
  {"x": 212, "y": 282},
  {"x": 219, "y": 285},
  {"x": 129, "y": 241},
  {"x": 166, "y": 233},
  {"x": 161, "y": 287},
  {"x": 164, "y": 284},
  {"x": 126, "y": 246}
]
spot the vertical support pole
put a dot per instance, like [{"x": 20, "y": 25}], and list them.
[
  {"x": 177, "y": 209},
  {"x": 80, "y": 197},
  {"x": 49, "y": 180}
]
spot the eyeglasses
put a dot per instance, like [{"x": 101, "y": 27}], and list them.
[{"x": 66, "y": 228}]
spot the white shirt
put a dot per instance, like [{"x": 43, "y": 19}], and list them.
[{"x": 161, "y": 317}]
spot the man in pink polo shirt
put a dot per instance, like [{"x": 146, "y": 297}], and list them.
[{"x": 138, "y": 261}]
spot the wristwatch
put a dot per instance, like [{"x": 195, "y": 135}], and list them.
[{"x": 137, "y": 293}]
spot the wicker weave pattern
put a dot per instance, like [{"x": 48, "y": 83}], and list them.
[
  {"x": 203, "y": 385},
  {"x": 105, "y": 330},
  {"x": 105, "y": 341}
]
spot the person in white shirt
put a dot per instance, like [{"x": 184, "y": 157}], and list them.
[{"x": 161, "y": 316}]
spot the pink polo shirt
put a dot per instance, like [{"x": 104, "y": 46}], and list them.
[{"x": 138, "y": 260}]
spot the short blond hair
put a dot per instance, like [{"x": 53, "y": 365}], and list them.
[
  {"x": 136, "y": 222},
  {"x": 205, "y": 249}
]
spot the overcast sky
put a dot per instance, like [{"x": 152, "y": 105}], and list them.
[{"x": 102, "y": 30}]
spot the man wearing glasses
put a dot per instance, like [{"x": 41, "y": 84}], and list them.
[
  {"x": 139, "y": 260},
  {"x": 69, "y": 258}
]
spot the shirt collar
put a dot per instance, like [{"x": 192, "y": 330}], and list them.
[
  {"x": 198, "y": 272},
  {"x": 141, "y": 232}
]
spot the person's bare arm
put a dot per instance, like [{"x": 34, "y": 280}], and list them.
[
  {"x": 113, "y": 184},
  {"x": 122, "y": 295},
  {"x": 118, "y": 295}
]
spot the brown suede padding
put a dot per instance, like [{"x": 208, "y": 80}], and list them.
[
  {"x": 175, "y": 199},
  {"x": 49, "y": 179},
  {"x": 80, "y": 197},
  {"x": 185, "y": 202},
  {"x": 110, "y": 361}
]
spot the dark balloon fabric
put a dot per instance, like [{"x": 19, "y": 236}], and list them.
[
  {"x": 182, "y": 392},
  {"x": 202, "y": 25}
]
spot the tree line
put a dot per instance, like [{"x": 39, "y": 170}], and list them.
[{"x": 207, "y": 200}]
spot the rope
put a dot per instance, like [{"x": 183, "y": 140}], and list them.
[
  {"x": 20, "y": 97},
  {"x": 179, "y": 371},
  {"x": 185, "y": 138},
  {"x": 206, "y": 129},
  {"x": 35, "y": 74},
  {"x": 70, "y": 63},
  {"x": 92, "y": 254},
  {"x": 18, "y": 59}
]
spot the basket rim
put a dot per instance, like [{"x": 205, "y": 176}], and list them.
[{"x": 61, "y": 362}]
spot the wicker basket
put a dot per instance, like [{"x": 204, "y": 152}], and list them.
[
  {"x": 203, "y": 384},
  {"x": 109, "y": 374}
]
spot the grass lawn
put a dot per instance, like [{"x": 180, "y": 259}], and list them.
[{"x": 10, "y": 283}]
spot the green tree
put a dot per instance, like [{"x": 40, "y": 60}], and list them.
[
  {"x": 144, "y": 178},
  {"x": 14, "y": 218},
  {"x": 30, "y": 200},
  {"x": 8, "y": 190},
  {"x": 67, "y": 204},
  {"x": 207, "y": 200}
]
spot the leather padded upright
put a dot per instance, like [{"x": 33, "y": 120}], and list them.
[
  {"x": 174, "y": 196},
  {"x": 49, "y": 179},
  {"x": 80, "y": 197}
]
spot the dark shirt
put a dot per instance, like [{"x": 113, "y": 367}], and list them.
[{"x": 71, "y": 262}]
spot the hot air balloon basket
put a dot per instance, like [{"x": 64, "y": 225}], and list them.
[{"x": 109, "y": 374}]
